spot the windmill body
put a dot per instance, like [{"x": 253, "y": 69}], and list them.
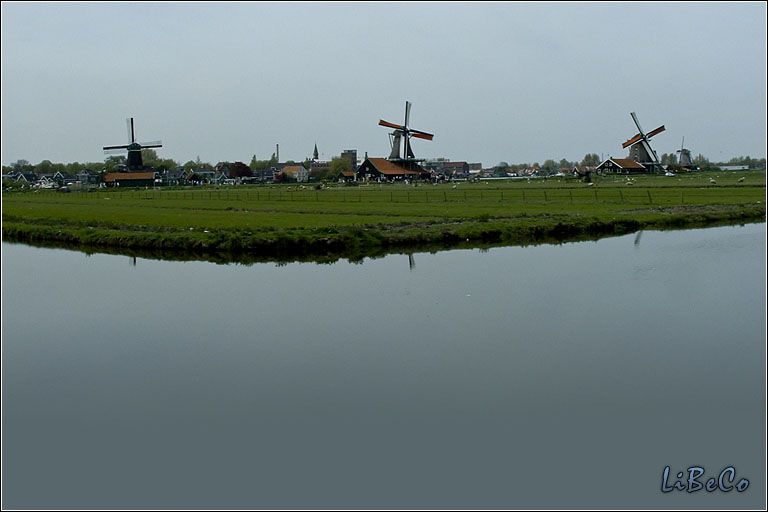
[
  {"x": 640, "y": 147},
  {"x": 134, "y": 161},
  {"x": 685, "y": 156}
]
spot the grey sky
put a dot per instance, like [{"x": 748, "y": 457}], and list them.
[{"x": 515, "y": 82}]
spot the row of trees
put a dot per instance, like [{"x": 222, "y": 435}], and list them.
[
  {"x": 752, "y": 163},
  {"x": 553, "y": 166},
  {"x": 338, "y": 164}
]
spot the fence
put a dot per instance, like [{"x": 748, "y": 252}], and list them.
[{"x": 426, "y": 195}]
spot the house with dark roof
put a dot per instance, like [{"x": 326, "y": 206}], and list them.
[
  {"x": 174, "y": 177},
  {"x": 130, "y": 179},
  {"x": 456, "y": 169},
  {"x": 223, "y": 168},
  {"x": 621, "y": 166},
  {"x": 88, "y": 177},
  {"x": 28, "y": 177},
  {"x": 381, "y": 169},
  {"x": 63, "y": 178},
  {"x": 262, "y": 175},
  {"x": 203, "y": 175}
]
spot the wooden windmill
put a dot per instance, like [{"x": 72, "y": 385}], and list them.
[
  {"x": 401, "y": 137},
  {"x": 134, "y": 148},
  {"x": 685, "y": 156},
  {"x": 640, "y": 148}
]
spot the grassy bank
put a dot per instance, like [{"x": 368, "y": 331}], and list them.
[{"x": 295, "y": 223}]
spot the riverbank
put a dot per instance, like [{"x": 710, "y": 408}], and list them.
[{"x": 303, "y": 224}]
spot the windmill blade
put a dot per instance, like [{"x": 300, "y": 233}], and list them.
[
  {"x": 656, "y": 131},
  {"x": 650, "y": 151},
  {"x": 682, "y": 146},
  {"x": 632, "y": 140},
  {"x": 407, "y": 112},
  {"x": 637, "y": 123},
  {"x": 113, "y": 151},
  {"x": 153, "y": 144},
  {"x": 131, "y": 131},
  {"x": 421, "y": 135},
  {"x": 108, "y": 148},
  {"x": 388, "y": 124},
  {"x": 421, "y": 132}
]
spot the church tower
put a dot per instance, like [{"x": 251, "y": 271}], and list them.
[{"x": 314, "y": 154}]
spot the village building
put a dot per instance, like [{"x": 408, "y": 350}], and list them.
[
  {"x": 383, "y": 170},
  {"x": 27, "y": 177},
  {"x": 621, "y": 166},
  {"x": 173, "y": 177},
  {"x": 223, "y": 168},
  {"x": 88, "y": 177},
  {"x": 263, "y": 175},
  {"x": 351, "y": 155},
  {"x": 346, "y": 176},
  {"x": 296, "y": 172},
  {"x": 64, "y": 179},
  {"x": 130, "y": 179}
]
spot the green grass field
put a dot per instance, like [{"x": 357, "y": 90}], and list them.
[{"x": 338, "y": 219}]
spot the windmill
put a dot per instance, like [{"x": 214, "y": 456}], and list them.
[
  {"x": 685, "y": 156},
  {"x": 134, "y": 148},
  {"x": 640, "y": 150},
  {"x": 401, "y": 137}
]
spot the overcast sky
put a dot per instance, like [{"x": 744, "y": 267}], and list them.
[{"x": 514, "y": 82}]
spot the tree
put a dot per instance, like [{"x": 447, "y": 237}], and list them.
[
  {"x": 21, "y": 166},
  {"x": 550, "y": 166},
  {"x": 701, "y": 160},
  {"x": 239, "y": 170},
  {"x": 166, "y": 164},
  {"x": 591, "y": 160},
  {"x": 260, "y": 165},
  {"x": 74, "y": 168},
  {"x": 282, "y": 177},
  {"x": 149, "y": 155},
  {"x": 111, "y": 162},
  {"x": 339, "y": 165},
  {"x": 44, "y": 167}
]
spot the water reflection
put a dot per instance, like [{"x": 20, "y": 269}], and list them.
[{"x": 563, "y": 376}]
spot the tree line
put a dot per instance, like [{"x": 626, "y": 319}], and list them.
[{"x": 337, "y": 165}]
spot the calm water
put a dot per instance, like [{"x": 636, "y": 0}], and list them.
[{"x": 540, "y": 377}]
